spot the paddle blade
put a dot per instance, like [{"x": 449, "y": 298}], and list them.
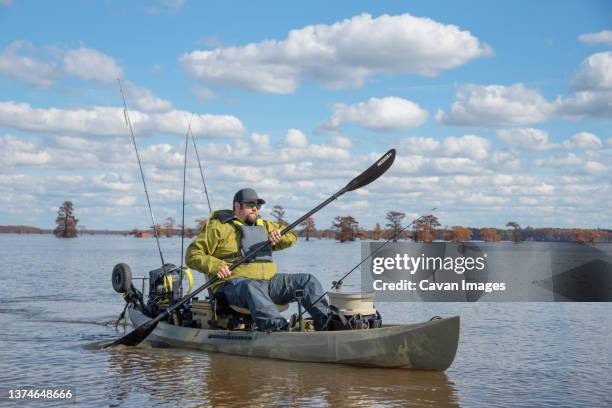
[
  {"x": 373, "y": 172},
  {"x": 137, "y": 336}
]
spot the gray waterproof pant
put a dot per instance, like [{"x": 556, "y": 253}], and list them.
[{"x": 262, "y": 296}]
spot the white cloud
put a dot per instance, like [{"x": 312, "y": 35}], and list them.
[
  {"x": 126, "y": 201},
  {"x": 295, "y": 138},
  {"x": 113, "y": 182},
  {"x": 540, "y": 189},
  {"x": 20, "y": 61},
  {"x": 385, "y": 114},
  {"x": 585, "y": 104},
  {"x": 90, "y": 64},
  {"x": 568, "y": 161},
  {"x": 529, "y": 201},
  {"x": 205, "y": 125},
  {"x": 260, "y": 139},
  {"x": 17, "y": 152},
  {"x": 502, "y": 179},
  {"x": 526, "y": 138},
  {"x": 341, "y": 141},
  {"x": 496, "y": 105},
  {"x": 296, "y": 177},
  {"x": 339, "y": 55},
  {"x": 456, "y": 165},
  {"x": 593, "y": 167},
  {"x": 480, "y": 199},
  {"x": 601, "y": 37},
  {"x": 6, "y": 2},
  {"x": 583, "y": 140},
  {"x": 506, "y": 161},
  {"x": 418, "y": 145},
  {"x": 17, "y": 64},
  {"x": 594, "y": 90},
  {"x": 470, "y": 146},
  {"x": 109, "y": 121},
  {"x": 409, "y": 163},
  {"x": 595, "y": 73},
  {"x": 321, "y": 152},
  {"x": 143, "y": 99}
]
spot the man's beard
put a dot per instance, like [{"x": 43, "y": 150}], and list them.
[{"x": 251, "y": 219}]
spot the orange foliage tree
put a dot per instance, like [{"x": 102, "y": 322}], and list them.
[
  {"x": 347, "y": 228},
  {"x": 586, "y": 236},
  {"x": 377, "y": 234},
  {"x": 489, "y": 235},
  {"x": 460, "y": 234}
]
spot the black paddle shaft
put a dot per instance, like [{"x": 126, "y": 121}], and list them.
[{"x": 369, "y": 175}]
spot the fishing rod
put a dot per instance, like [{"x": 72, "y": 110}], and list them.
[
  {"x": 337, "y": 284},
  {"x": 129, "y": 123},
  {"x": 183, "y": 216},
  {"x": 200, "y": 165}
]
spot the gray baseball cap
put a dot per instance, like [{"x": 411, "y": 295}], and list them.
[{"x": 247, "y": 195}]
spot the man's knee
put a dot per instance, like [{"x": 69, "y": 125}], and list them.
[
  {"x": 303, "y": 279},
  {"x": 248, "y": 287},
  {"x": 309, "y": 281}
]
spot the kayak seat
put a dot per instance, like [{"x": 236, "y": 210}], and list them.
[{"x": 223, "y": 306}]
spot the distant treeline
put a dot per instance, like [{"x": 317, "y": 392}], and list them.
[
  {"x": 22, "y": 229},
  {"x": 426, "y": 228},
  {"x": 459, "y": 234}
]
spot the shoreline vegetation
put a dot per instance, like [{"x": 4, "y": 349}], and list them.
[
  {"x": 454, "y": 234},
  {"x": 344, "y": 228},
  {"x": 24, "y": 229}
]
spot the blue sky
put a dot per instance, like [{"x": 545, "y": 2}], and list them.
[{"x": 499, "y": 110}]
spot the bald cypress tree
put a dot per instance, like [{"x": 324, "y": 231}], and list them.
[
  {"x": 346, "y": 228},
  {"x": 66, "y": 221},
  {"x": 395, "y": 223}
]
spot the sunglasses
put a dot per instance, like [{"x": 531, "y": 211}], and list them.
[{"x": 253, "y": 205}]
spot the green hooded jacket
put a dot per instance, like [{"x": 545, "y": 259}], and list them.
[{"x": 219, "y": 243}]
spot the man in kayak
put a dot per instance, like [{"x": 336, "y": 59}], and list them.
[{"x": 254, "y": 285}]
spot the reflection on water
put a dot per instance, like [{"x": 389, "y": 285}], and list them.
[
  {"x": 179, "y": 377},
  {"x": 55, "y": 312}
]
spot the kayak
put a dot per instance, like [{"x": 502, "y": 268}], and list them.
[{"x": 430, "y": 345}]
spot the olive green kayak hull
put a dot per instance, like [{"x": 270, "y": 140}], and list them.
[{"x": 430, "y": 345}]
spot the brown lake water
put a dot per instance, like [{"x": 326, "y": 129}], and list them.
[{"x": 56, "y": 305}]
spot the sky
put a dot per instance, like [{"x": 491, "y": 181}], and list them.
[{"x": 499, "y": 111}]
